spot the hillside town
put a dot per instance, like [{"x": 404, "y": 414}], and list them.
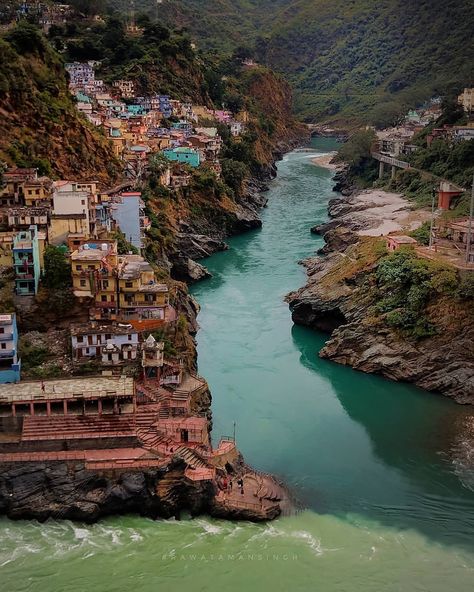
[{"x": 126, "y": 402}]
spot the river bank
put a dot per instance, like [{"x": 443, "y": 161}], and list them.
[
  {"x": 339, "y": 298},
  {"x": 383, "y": 467}
]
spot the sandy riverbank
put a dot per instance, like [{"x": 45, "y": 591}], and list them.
[
  {"x": 392, "y": 210},
  {"x": 325, "y": 161},
  {"x": 378, "y": 213}
]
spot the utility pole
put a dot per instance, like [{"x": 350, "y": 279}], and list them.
[
  {"x": 469, "y": 228},
  {"x": 432, "y": 218},
  {"x": 234, "y": 431}
]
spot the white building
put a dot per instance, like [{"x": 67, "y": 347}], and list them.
[{"x": 111, "y": 344}]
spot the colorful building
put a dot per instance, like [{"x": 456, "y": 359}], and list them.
[
  {"x": 10, "y": 365},
  {"x": 183, "y": 155},
  {"x": 141, "y": 297},
  {"x": 26, "y": 262},
  {"x": 128, "y": 212}
]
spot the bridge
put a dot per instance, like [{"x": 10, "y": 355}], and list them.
[{"x": 395, "y": 163}]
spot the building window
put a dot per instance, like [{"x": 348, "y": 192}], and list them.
[
  {"x": 129, "y": 284},
  {"x": 4, "y": 346},
  {"x": 130, "y": 338},
  {"x": 83, "y": 283},
  {"x": 2, "y": 330},
  {"x": 108, "y": 336},
  {"x": 90, "y": 267},
  {"x": 105, "y": 284},
  {"x": 78, "y": 267},
  {"x": 103, "y": 298},
  {"x": 80, "y": 339}
]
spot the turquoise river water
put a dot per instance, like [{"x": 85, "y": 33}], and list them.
[{"x": 384, "y": 470}]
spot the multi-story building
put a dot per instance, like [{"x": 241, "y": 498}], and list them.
[
  {"x": 37, "y": 192},
  {"x": 14, "y": 180},
  {"x": 183, "y": 155},
  {"x": 141, "y": 297},
  {"x": 126, "y": 88},
  {"x": 110, "y": 344},
  {"x": 128, "y": 212},
  {"x": 80, "y": 73},
  {"x": 23, "y": 218},
  {"x": 10, "y": 365},
  {"x": 94, "y": 275},
  {"x": 73, "y": 211},
  {"x": 26, "y": 262}
]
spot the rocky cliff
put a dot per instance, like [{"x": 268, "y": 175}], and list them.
[
  {"x": 397, "y": 315},
  {"x": 69, "y": 491}
]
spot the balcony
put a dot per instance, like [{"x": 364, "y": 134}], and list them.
[
  {"x": 7, "y": 354},
  {"x": 6, "y": 336},
  {"x": 106, "y": 304}
]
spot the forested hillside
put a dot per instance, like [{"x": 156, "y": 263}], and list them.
[{"x": 346, "y": 60}]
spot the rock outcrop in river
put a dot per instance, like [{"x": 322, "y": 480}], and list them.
[{"x": 340, "y": 298}]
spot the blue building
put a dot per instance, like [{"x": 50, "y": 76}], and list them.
[
  {"x": 183, "y": 126},
  {"x": 183, "y": 155},
  {"x": 26, "y": 262},
  {"x": 129, "y": 214},
  {"x": 165, "y": 105},
  {"x": 10, "y": 365}
]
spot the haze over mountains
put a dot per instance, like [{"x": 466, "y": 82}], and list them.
[{"x": 346, "y": 59}]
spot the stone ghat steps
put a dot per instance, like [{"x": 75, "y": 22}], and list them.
[
  {"x": 265, "y": 489},
  {"x": 77, "y": 427},
  {"x": 191, "y": 458},
  {"x": 156, "y": 393},
  {"x": 147, "y": 414}
]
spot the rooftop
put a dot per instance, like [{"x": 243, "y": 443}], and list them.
[
  {"x": 403, "y": 239},
  {"x": 72, "y": 388},
  {"x": 95, "y": 329}
]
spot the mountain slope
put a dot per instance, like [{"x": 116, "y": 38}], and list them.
[
  {"x": 343, "y": 58},
  {"x": 39, "y": 124}
]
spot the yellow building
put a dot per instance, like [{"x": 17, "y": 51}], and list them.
[
  {"x": 61, "y": 226},
  {"x": 37, "y": 191},
  {"x": 94, "y": 275},
  {"x": 6, "y": 246},
  {"x": 140, "y": 296}
]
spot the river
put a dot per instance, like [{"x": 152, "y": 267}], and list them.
[{"x": 384, "y": 471}]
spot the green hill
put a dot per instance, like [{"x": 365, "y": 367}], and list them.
[{"x": 347, "y": 60}]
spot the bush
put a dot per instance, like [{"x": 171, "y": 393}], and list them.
[
  {"x": 406, "y": 285},
  {"x": 466, "y": 286},
  {"x": 422, "y": 234},
  {"x": 57, "y": 270}
]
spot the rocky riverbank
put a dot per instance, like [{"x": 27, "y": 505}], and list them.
[
  {"x": 65, "y": 490},
  {"x": 199, "y": 236},
  {"x": 340, "y": 298}
]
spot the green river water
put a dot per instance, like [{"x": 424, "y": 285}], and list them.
[{"x": 384, "y": 470}]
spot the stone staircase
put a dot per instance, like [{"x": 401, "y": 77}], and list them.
[
  {"x": 191, "y": 457},
  {"x": 63, "y": 427}
]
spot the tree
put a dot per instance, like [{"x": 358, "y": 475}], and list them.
[
  {"x": 357, "y": 148},
  {"x": 234, "y": 172},
  {"x": 57, "y": 271}
]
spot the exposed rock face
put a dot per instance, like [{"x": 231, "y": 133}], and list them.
[
  {"x": 341, "y": 304},
  {"x": 70, "y": 491}
]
